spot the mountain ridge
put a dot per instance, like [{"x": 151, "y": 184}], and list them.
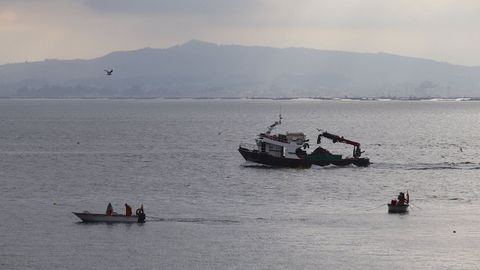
[{"x": 199, "y": 68}]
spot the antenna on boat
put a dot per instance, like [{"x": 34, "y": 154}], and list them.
[
  {"x": 270, "y": 128},
  {"x": 280, "y": 116}
]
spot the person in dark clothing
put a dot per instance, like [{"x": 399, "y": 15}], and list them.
[
  {"x": 109, "y": 209},
  {"x": 140, "y": 214},
  {"x": 401, "y": 198}
]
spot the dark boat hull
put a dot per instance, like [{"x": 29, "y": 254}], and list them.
[
  {"x": 360, "y": 162},
  {"x": 266, "y": 159},
  {"x": 399, "y": 209}
]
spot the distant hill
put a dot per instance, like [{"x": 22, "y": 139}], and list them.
[{"x": 201, "y": 69}]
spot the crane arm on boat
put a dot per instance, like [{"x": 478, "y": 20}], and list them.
[
  {"x": 335, "y": 138},
  {"x": 272, "y": 126}
]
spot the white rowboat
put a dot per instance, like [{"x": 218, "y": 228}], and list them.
[{"x": 91, "y": 217}]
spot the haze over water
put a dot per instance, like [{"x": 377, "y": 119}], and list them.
[{"x": 211, "y": 210}]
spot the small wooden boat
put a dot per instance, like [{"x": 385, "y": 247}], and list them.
[
  {"x": 400, "y": 205},
  {"x": 396, "y": 208},
  {"x": 114, "y": 218}
]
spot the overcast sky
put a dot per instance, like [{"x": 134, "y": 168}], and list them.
[{"x": 444, "y": 30}]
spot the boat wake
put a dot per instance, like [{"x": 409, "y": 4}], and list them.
[
  {"x": 431, "y": 166},
  {"x": 447, "y": 198},
  {"x": 193, "y": 220},
  {"x": 249, "y": 164}
]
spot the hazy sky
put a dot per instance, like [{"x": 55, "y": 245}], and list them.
[{"x": 444, "y": 30}]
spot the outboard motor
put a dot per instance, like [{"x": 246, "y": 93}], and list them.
[
  {"x": 140, "y": 214},
  {"x": 141, "y": 218}
]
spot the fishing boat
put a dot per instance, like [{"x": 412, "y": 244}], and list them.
[
  {"x": 290, "y": 150},
  {"x": 282, "y": 150},
  {"x": 111, "y": 217},
  {"x": 400, "y": 205},
  {"x": 323, "y": 157},
  {"x": 114, "y": 218}
]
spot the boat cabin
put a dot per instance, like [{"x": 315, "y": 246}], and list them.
[{"x": 281, "y": 145}]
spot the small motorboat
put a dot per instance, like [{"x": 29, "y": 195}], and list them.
[
  {"x": 400, "y": 205},
  {"x": 114, "y": 218}
]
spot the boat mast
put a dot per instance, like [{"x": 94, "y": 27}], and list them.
[{"x": 272, "y": 126}]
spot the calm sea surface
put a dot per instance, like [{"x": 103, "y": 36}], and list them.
[{"x": 214, "y": 211}]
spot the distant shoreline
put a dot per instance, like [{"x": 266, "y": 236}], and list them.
[{"x": 262, "y": 98}]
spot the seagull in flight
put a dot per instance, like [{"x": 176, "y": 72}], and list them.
[{"x": 109, "y": 72}]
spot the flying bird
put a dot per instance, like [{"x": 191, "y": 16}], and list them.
[{"x": 109, "y": 72}]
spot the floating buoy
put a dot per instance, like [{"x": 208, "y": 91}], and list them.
[{"x": 454, "y": 231}]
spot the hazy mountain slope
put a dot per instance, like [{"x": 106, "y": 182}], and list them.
[{"x": 205, "y": 69}]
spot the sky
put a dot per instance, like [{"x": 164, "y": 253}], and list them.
[{"x": 442, "y": 30}]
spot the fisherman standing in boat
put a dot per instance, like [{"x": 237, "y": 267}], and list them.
[
  {"x": 402, "y": 200},
  {"x": 141, "y": 214},
  {"x": 128, "y": 210},
  {"x": 109, "y": 211}
]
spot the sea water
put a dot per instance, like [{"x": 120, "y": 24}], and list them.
[{"x": 209, "y": 209}]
